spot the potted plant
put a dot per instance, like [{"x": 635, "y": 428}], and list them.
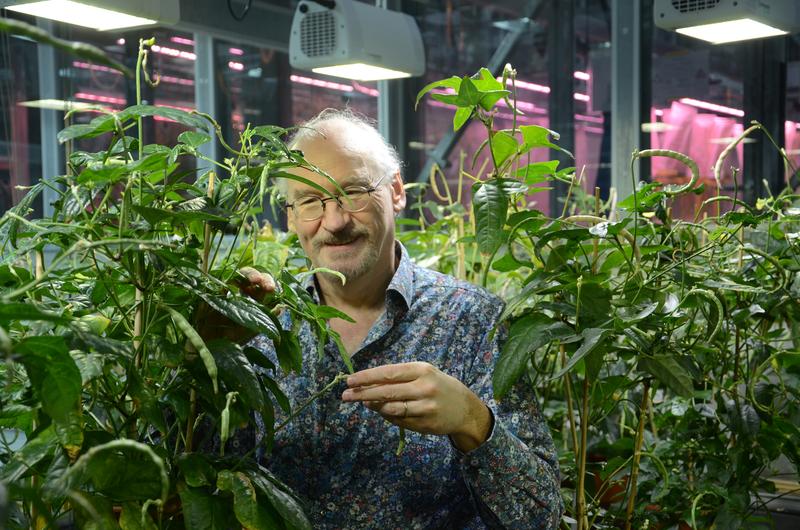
[
  {"x": 120, "y": 397},
  {"x": 664, "y": 349}
]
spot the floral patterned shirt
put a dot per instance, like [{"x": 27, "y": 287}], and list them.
[{"x": 340, "y": 457}]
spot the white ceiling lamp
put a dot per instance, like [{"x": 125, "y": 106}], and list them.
[
  {"x": 723, "y": 21},
  {"x": 102, "y": 15},
  {"x": 354, "y": 40},
  {"x": 58, "y": 104}
]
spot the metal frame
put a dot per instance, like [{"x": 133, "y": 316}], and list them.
[
  {"x": 561, "y": 102},
  {"x": 205, "y": 94},
  {"x": 626, "y": 92},
  {"x": 764, "y": 101},
  {"x": 52, "y": 164}
]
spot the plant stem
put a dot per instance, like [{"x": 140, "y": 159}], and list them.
[
  {"x": 580, "y": 494},
  {"x": 341, "y": 376},
  {"x": 637, "y": 453}
]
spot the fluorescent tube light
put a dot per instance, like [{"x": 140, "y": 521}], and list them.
[
  {"x": 731, "y": 31},
  {"x": 361, "y": 72},
  {"x": 730, "y": 139},
  {"x": 657, "y": 127},
  {"x": 57, "y": 104},
  {"x": 81, "y": 14}
]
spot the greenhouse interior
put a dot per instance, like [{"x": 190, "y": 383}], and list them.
[{"x": 403, "y": 264}]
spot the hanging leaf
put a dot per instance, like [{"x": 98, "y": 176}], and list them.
[
  {"x": 281, "y": 498},
  {"x": 668, "y": 371},
  {"x": 525, "y": 336},
  {"x": 249, "y": 512},
  {"x": 244, "y": 311},
  {"x": 237, "y": 373},
  {"x": 593, "y": 338},
  {"x": 204, "y": 511},
  {"x": 197, "y": 470},
  {"x": 57, "y": 381},
  {"x": 490, "y": 206}
]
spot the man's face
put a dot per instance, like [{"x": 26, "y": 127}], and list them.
[{"x": 354, "y": 244}]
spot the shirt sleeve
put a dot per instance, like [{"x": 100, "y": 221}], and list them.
[{"x": 513, "y": 476}]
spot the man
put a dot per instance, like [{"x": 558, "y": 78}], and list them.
[{"x": 420, "y": 344}]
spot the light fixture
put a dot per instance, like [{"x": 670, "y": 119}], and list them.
[
  {"x": 101, "y": 15},
  {"x": 354, "y": 40},
  {"x": 57, "y": 104},
  {"x": 723, "y": 21}
]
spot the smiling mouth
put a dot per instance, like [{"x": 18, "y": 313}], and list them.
[{"x": 340, "y": 243}]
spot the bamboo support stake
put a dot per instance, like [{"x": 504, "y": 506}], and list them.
[{"x": 637, "y": 454}]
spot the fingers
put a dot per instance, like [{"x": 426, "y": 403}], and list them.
[
  {"x": 397, "y": 410},
  {"x": 256, "y": 284},
  {"x": 390, "y": 374},
  {"x": 383, "y": 393}
]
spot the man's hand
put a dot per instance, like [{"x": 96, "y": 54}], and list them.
[
  {"x": 256, "y": 284},
  {"x": 418, "y": 396}
]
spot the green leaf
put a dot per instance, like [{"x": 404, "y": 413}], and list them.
[
  {"x": 468, "y": 95},
  {"x": 281, "y": 498},
  {"x": 196, "y": 469},
  {"x": 451, "y": 82},
  {"x": 668, "y": 371},
  {"x": 123, "y": 475},
  {"x": 525, "y": 336},
  {"x": 534, "y": 136},
  {"x": 33, "y": 452},
  {"x": 490, "y": 205},
  {"x": 237, "y": 373},
  {"x": 461, "y": 117},
  {"x": 486, "y": 81},
  {"x": 181, "y": 116},
  {"x": 204, "y": 511},
  {"x": 538, "y": 172},
  {"x": 23, "y": 311},
  {"x": 249, "y": 512},
  {"x": 57, "y": 382},
  {"x": 280, "y": 397},
  {"x": 193, "y": 139},
  {"x": 593, "y": 338},
  {"x": 96, "y": 127},
  {"x": 504, "y": 146},
  {"x": 132, "y": 518},
  {"x": 22, "y": 209},
  {"x": 244, "y": 311}
]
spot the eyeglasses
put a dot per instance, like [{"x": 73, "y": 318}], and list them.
[{"x": 353, "y": 200}]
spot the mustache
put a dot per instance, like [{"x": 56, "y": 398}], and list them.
[{"x": 339, "y": 238}]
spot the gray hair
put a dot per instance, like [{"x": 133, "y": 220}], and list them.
[{"x": 379, "y": 156}]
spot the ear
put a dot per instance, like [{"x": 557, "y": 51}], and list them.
[{"x": 398, "y": 193}]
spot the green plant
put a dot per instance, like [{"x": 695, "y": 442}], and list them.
[
  {"x": 120, "y": 384},
  {"x": 665, "y": 350}
]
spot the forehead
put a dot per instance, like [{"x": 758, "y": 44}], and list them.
[{"x": 342, "y": 163}]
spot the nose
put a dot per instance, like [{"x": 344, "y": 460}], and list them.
[{"x": 334, "y": 218}]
